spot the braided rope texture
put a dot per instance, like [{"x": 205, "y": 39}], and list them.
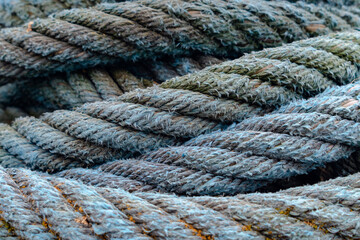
[
  {"x": 332, "y": 2},
  {"x": 220, "y": 162},
  {"x": 302, "y": 203},
  {"x": 232, "y": 162},
  {"x": 285, "y": 145},
  {"x": 276, "y": 76},
  {"x": 338, "y": 101},
  {"x": 95, "y": 84},
  {"x": 18, "y": 12},
  {"x": 102, "y": 131},
  {"x": 40, "y": 206},
  {"x": 324, "y": 127},
  {"x": 268, "y": 78},
  {"x": 77, "y": 38}
]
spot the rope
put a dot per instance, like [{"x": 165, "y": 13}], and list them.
[{"x": 77, "y": 38}]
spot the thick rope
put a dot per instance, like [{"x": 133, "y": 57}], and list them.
[
  {"x": 14, "y": 13},
  {"x": 73, "y": 89},
  {"x": 227, "y": 163},
  {"x": 269, "y": 78},
  {"x": 30, "y": 154},
  {"x": 104, "y": 133},
  {"x": 279, "y": 75},
  {"x": 71, "y": 209},
  {"x": 304, "y": 208},
  {"x": 146, "y": 120},
  {"x": 264, "y": 219},
  {"x": 192, "y": 104},
  {"x": 149, "y": 119},
  {"x": 98, "y": 132},
  {"x": 56, "y": 207},
  {"x": 96, "y": 178},
  {"x": 351, "y": 90},
  {"x": 238, "y": 163},
  {"x": 274, "y": 145},
  {"x": 314, "y": 125},
  {"x": 344, "y": 106},
  {"x": 332, "y": 2},
  {"x": 77, "y": 38},
  {"x": 180, "y": 180}
]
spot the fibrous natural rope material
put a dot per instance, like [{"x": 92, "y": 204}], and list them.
[
  {"x": 98, "y": 132},
  {"x": 234, "y": 162},
  {"x": 314, "y": 125},
  {"x": 77, "y": 38},
  {"x": 276, "y": 76},
  {"x": 269, "y": 78},
  {"x": 40, "y": 206},
  {"x": 70, "y": 90}
]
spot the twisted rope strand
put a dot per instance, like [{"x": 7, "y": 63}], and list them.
[
  {"x": 318, "y": 126},
  {"x": 192, "y": 104},
  {"x": 96, "y": 178},
  {"x": 104, "y": 133},
  {"x": 215, "y": 28},
  {"x": 58, "y": 142},
  {"x": 34, "y": 157},
  {"x": 274, "y": 145},
  {"x": 49, "y": 203}
]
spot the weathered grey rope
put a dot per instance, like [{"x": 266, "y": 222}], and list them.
[
  {"x": 351, "y": 90},
  {"x": 33, "y": 156},
  {"x": 19, "y": 11},
  {"x": 180, "y": 180},
  {"x": 98, "y": 178},
  {"x": 273, "y": 145},
  {"x": 274, "y": 76},
  {"x": 299, "y": 78},
  {"x": 104, "y": 133},
  {"x": 96, "y": 133},
  {"x": 149, "y": 119},
  {"x": 195, "y": 215},
  {"x": 227, "y": 163},
  {"x": 332, "y": 191},
  {"x": 192, "y": 104},
  {"x": 233, "y": 86},
  {"x": 261, "y": 218},
  {"x": 270, "y": 77},
  {"x": 106, "y": 220},
  {"x": 64, "y": 221},
  {"x": 319, "y": 212},
  {"x": 315, "y": 125},
  {"x": 57, "y": 207},
  {"x": 344, "y": 106},
  {"x": 55, "y": 141},
  {"x": 95, "y": 84},
  {"x": 77, "y": 36},
  {"x": 246, "y": 161},
  {"x": 27, "y": 224}
]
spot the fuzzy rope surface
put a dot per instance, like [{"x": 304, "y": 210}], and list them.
[
  {"x": 318, "y": 126},
  {"x": 344, "y": 106},
  {"x": 149, "y": 119},
  {"x": 96, "y": 178},
  {"x": 239, "y": 168},
  {"x": 192, "y": 104},
  {"x": 274, "y": 145},
  {"x": 77, "y": 38},
  {"x": 94, "y": 84},
  {"x": 63, "y": 208},
  {"x": 104, "y": 133},
  {"x": 96, "y": 133},
  {"x": 269, "y": 78}
]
